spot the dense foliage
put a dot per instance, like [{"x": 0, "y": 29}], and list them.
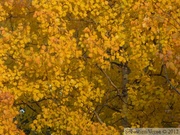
[{"x": 88, "y": 67}]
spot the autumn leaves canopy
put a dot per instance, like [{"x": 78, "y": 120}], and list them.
[{"x": 88, "y": 66}]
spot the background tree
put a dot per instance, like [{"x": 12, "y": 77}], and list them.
[{"x": 91, "y": 67}]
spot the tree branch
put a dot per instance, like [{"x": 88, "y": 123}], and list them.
[
  {"x": 167, "y": 78},
  {"x": 109, "y": 79},
  {"x": 112, "y": 83},
  {"x": 99, "y": 119}
]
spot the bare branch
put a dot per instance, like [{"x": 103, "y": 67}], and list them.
[
  {"x": 99, "y": 119},
  {"x": 30, "y": 107},
  {"x": 159, "y": 74},
  {"x": 109, "y": 79},
  {"x": 113, "y": 108},
  {"x": 167, "y": 78},
  {"x": 112, "y": 83}
]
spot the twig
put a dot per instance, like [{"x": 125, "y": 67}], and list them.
[
  {"x": 99, "y": 119},
  {"x": 167, "y": 78},
  {"x": 30, "y": 107},
  {"x": 114, "y": 109},
  {"x": 112, "y": 83},
  {"x": 109, "y": 79}
]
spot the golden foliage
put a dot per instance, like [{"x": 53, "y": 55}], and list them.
[{"x": 89, "y": 67}]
